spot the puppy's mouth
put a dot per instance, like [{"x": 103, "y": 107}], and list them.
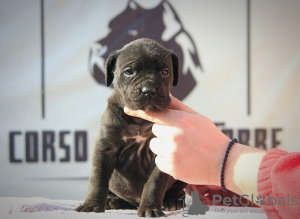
[
  {"x": 148, "y": 103},
  {"x": 149, "y": 106},
  {"x": 152, "y": 107}
]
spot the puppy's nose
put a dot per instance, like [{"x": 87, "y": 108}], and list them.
[{"x": 148, "y": 90}]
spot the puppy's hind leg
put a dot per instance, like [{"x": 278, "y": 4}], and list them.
[{"x": 115, "y": 202}]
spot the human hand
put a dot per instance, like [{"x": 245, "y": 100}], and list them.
[{"x": 188, "y": 145}]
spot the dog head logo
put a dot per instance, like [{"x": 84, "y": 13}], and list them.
[{"x": 161, "y": 24}]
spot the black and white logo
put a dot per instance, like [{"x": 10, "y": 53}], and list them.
[{"x": 160, "y": 23}]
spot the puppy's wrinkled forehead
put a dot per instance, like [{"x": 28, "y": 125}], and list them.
[{"x": 147, "y": 52}]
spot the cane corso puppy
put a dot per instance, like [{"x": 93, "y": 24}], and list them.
[{"x": 124, "y": 174}]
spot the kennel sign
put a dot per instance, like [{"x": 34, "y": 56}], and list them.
[{"x": 160, "y": 23}]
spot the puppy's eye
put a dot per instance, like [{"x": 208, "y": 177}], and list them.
[
  {"x": 128, "y": 72},
  {"x": 164, "y": 73}
]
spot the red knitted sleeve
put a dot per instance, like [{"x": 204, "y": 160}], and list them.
[{"x": 278, "y": 184}]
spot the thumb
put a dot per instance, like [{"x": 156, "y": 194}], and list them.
[{"x": 165, "y": 117}]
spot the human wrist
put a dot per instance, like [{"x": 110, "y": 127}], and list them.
[
  {"x": 231, "y": 143},
  {"x": 229, "y": 174},
  {"x": 241, "y": 169},
  {"x": 220, "y": 145}
]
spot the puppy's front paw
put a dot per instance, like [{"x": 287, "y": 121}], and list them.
[
  {"x": 150, "y": 212},
  {"x": 90, "y": 207}
]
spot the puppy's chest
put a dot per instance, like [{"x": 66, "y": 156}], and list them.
[
  {"x": 135, "y": 144},
  {"x": 137, "y": 139}
]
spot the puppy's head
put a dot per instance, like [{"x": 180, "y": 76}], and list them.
[{"x": 144, "y": 73}]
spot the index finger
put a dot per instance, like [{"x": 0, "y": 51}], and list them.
[{"x": 165, "y": 117}]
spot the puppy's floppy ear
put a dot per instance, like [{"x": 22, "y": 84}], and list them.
[
  {"x": 110, "y": 66},
  {"x": 175, "y": 61}
]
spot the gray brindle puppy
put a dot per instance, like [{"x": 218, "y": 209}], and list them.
[{"x": 124, "y": 174}]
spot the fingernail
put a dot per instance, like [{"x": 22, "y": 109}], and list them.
[
  {"x": 150, "y": 145},
  {"x": 126, "y": 110}
]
